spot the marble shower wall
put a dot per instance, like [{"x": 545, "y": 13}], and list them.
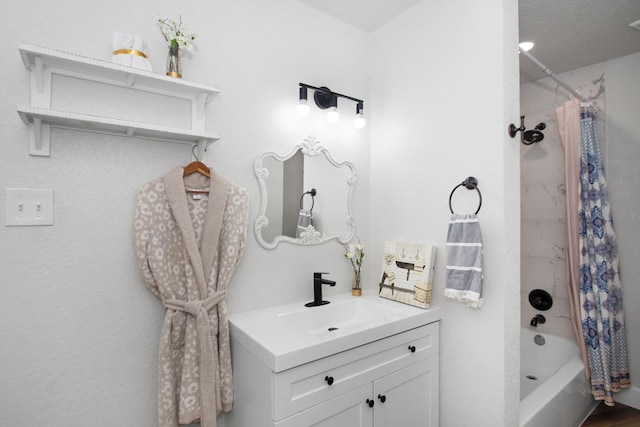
[{"x": 543, "y": 224}]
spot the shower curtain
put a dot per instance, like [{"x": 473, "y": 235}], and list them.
[{"x": 592, "y": 260}]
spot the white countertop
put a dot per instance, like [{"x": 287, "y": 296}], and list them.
[{"x": 289, "y": 335}]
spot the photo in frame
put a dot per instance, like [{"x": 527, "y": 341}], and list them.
[{"x": 407, "y": 273}]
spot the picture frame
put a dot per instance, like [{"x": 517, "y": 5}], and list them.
[{"x": 407, "y": 273}]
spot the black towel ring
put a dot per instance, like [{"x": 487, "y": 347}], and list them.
[
  {"x": 313, "y": 198},
  {"x": 470, "y": 183}
]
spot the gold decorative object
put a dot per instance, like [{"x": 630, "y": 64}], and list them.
[
  {"x": 174, "y": 66},
  {"x": 129, "y": 50},
  {"x": 356, "y": 289},
  {"x": 355, "y": 254}
]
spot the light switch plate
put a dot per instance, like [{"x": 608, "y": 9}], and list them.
[{"x": 28, "y": 206}]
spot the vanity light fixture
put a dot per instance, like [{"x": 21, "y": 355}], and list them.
[
  {"x": 359, "y": 121},
  {"x": 326, "y": 99},
  {"x": 303, "y": 107}
]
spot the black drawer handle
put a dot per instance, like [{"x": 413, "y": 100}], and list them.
[
  {"x": 370, "y": 402},
  {"x": 328, "y": 379},
  {"x": 412, "y": 348},
  {"x": 382, "y": 398}
]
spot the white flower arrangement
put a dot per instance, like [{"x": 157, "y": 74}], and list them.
[
  {"x": 355, "y": 254},
  {"x": 176, "y": 33}
]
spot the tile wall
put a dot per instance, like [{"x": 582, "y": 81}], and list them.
[{"x": 543, "y": 194}]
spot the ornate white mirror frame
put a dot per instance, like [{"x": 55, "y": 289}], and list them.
[{"x": 310, "y": 147}]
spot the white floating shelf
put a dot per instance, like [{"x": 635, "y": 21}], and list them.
[
  {"x": 44, "y": 62},
  {"x": 40, "y": 117},
  {"x": 114, "y": 73}
]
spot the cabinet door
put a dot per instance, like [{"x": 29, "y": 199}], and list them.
[
  {"x": 346, "y": 410},
  {"x": 408, "y": 397}
]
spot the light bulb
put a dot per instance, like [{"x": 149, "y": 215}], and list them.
[
  {"x": 333, "y": 116},
  {"x": 303, "y": 108},
  {"x": 526, "y": 46}
]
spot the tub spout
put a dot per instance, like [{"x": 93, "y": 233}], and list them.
[{"x": 538, "y": 319}]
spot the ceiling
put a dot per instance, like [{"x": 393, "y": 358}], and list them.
[
  {"x": 568, "y": 34},
  {"x": 365, "y": 14}
]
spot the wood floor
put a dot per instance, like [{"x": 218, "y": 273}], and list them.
[{"x": 613, "y": 416}]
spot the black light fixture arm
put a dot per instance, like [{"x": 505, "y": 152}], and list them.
[{"x": 325, "y": 90}]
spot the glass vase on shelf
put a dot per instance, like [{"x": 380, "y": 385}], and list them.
[
  {"x": 356, "y": 289},
  {"x": 174, "y": 67}
]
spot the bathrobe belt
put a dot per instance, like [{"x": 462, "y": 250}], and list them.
[{"x": 209, "y": 374}]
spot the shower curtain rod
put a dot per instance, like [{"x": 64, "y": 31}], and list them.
[{"x": 549, "y": 73}]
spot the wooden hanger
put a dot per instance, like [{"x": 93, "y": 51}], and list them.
[{"x": 197, "y": 167}]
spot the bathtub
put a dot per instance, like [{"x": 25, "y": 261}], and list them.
[{"x": 553, "y": 389}]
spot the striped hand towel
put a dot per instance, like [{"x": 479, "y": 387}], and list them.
[
  {"x": 305, "y": 219},
  {"x": 464, "y": 260}
]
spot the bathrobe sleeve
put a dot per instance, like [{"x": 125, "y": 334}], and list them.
[{"x": 142, "y": 229}]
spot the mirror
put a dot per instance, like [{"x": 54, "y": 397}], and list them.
[{"x": 305, "y": 197}]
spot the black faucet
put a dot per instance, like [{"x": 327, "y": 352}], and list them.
[
  {"x": 539, "y": 318},
  {"x": 318, "y": 281}
]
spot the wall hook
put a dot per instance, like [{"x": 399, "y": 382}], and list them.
[{"x": 527, "y": 137}]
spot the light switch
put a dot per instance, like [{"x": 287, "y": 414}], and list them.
[{"x": 28, "y": 206}]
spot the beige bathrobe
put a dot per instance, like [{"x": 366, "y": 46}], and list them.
[{"x": 188, "y": 246}]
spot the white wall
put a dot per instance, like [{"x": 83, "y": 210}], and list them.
[
  {"x": 623, "y": 179},
  {"x": 613, "y": 86},
  {"x": 78, "y": 329},
  {"x": 435, "y": 122}
]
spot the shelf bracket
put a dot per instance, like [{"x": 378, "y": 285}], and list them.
[
  {"x": 202, "y": 147},
  {"x": 40, "y": 78},
  {"x": 39, "y": 74},
  {"x": 39, "y": 138},
  {"x": 202, "y": 102},
  {"x": 131, "y": 79}
]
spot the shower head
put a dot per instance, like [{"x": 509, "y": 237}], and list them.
[
  {"x": 527, "y": 137},
  {"x": 532, "y": 136}
]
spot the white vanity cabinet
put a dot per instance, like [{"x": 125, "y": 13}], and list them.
[{"x": 390, "y": 382}]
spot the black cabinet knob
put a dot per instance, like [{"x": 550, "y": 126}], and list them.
[
  {"x": 412, "y": 348},
  {"x": 382, "y": 397},
  {"x": 328, "y": 379},
  {"x": 370, "y": 402}
]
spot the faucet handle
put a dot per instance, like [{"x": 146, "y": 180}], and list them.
[{"x": 318, "y": 275}]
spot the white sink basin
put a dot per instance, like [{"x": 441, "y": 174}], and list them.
[
  {"x": 338, "y": 318},
  {"x": 290, "y": 335}
]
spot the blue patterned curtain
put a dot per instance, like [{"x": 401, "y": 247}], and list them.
[{"x": 600, "y": 286}]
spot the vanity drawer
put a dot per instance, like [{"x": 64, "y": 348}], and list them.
[{"x": 307, "y": 385}]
